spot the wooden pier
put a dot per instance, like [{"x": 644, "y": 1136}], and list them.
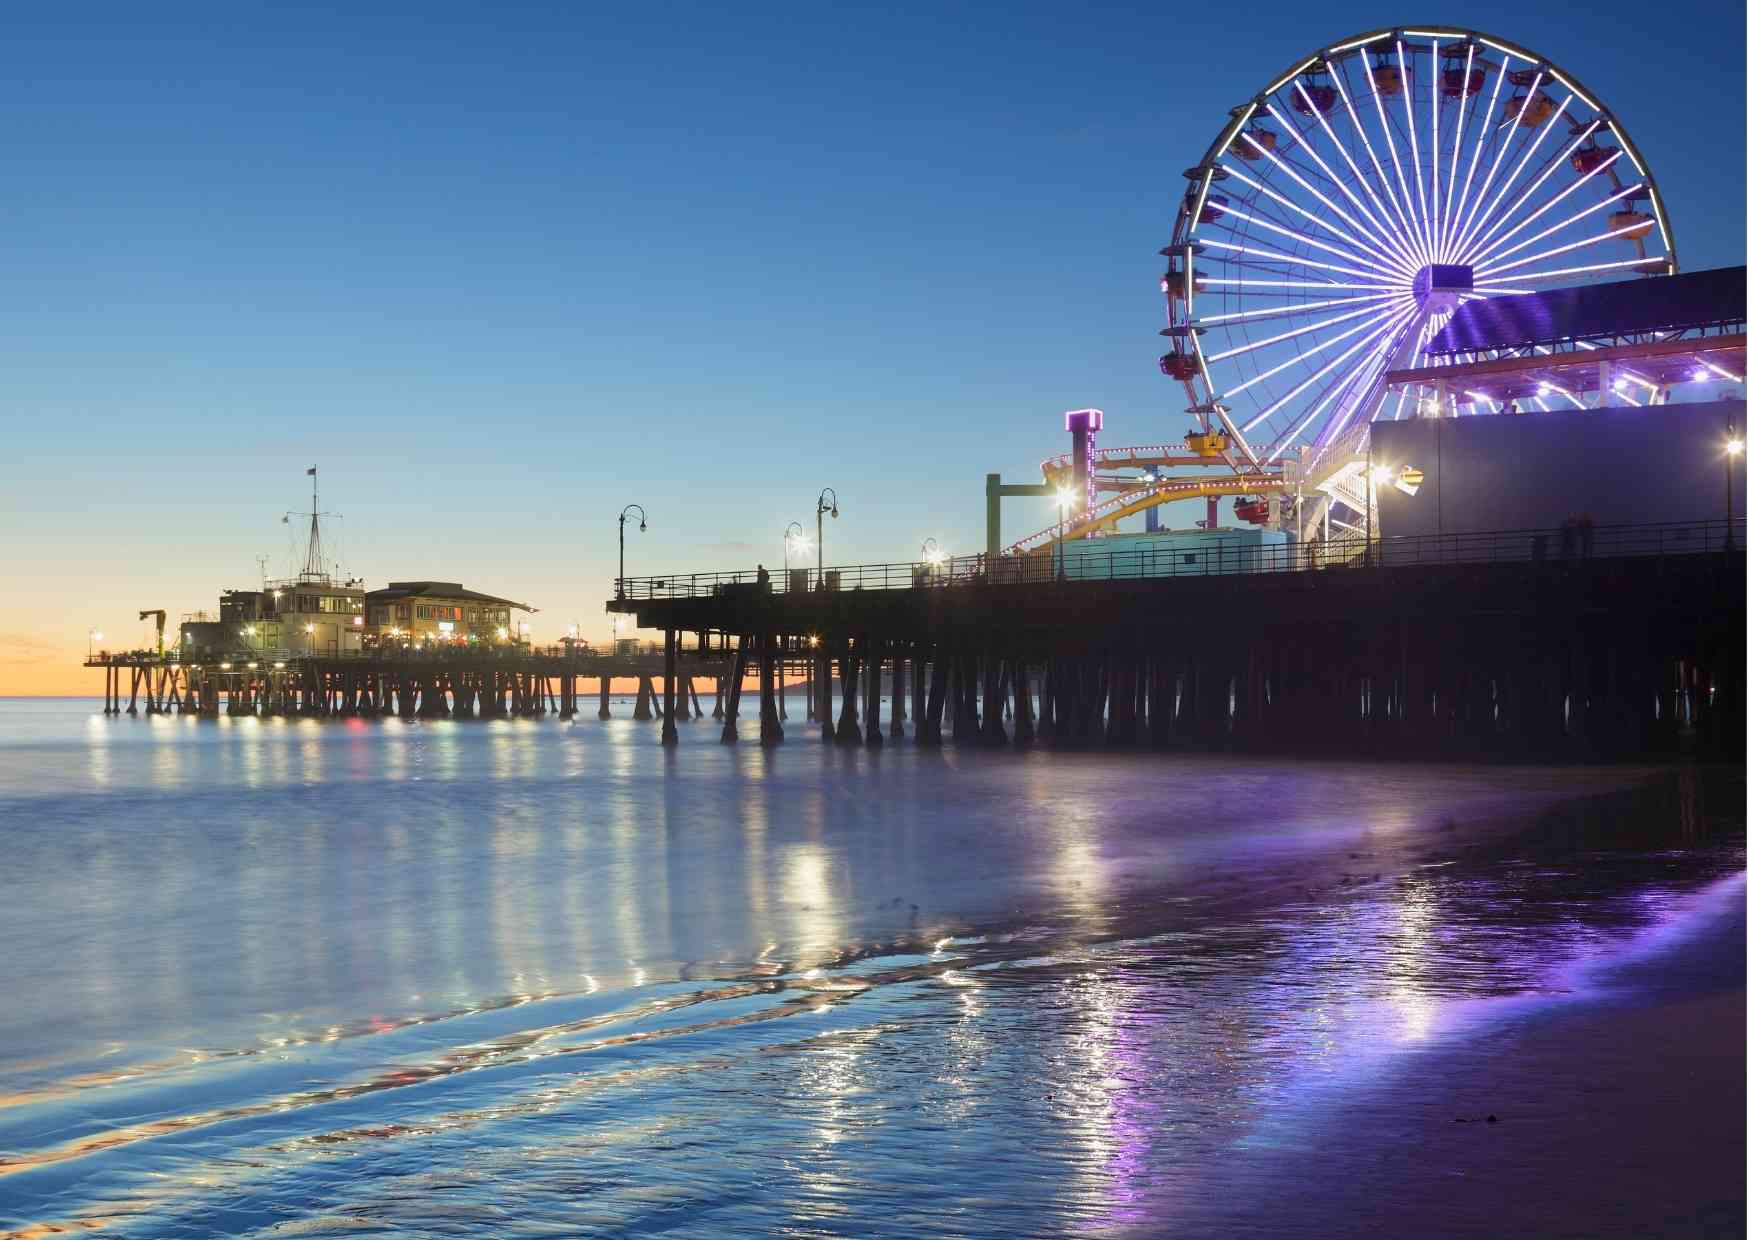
[{"x": 1626, "y": 643}]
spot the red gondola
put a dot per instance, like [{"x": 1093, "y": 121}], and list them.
[
  {"x": 1180, "y": 366},
  {"x": 1591, "y": 158},
  {"x": 1453, "y": 83},
  {"x": 1320, "y": 97}
]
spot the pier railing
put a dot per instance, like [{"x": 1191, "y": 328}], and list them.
[{"x": 1220, "y": 557}]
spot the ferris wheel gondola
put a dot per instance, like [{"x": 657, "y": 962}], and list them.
[{"x": 1341, "y": 216}]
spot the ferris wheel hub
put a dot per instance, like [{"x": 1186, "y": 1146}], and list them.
[{"x": 1439, "y": 287}]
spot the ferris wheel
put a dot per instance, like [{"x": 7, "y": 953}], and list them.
[{"x": 1341, "y": 216}]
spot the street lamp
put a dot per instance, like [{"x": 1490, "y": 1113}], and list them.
[
  {"x": 794, "y": 539},
  {"x": 1732, "y": 450},
  {"x": 642, "y": 525},
  {"x": 820, "y": 508},
  {"x": 1064, "y": 501},
  {"x": 92, "y": 637}
]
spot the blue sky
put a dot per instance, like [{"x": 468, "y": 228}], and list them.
[{"x": 502, "y": 269}]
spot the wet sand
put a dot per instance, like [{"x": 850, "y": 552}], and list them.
[{"x": 1617, "y": 1105}]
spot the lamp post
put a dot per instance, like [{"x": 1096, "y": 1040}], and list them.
[
  {"x": 642, "y": 525},
  {"x": 92, "y": 637},
  {"x": 794, "y": 539},
  {"x": 933, "y": 556},
  {"x": 1064, "y": 501},
  {"x": 820, "y": 508},
  {"x": 1732, "y": 450}
]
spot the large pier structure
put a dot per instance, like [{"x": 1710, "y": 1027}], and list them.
[{"x": 1582, "y": 642}]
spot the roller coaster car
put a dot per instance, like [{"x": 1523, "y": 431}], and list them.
[
  {"x": 1179, "y": 366},
  {"x": 1253, "y": 509},
  {"x": 1591, "y": 158},
  {"x": 1207, "y": 443},
  {"x": 1529, "y": 111},
  {"x": 1452, "y": 83},
  {"x": 1629, "y": 225}
]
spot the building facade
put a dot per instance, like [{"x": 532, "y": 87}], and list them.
[{"x": 421, "y": 612}]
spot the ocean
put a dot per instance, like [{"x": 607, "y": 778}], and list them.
[{"x": 288, "y": 977}]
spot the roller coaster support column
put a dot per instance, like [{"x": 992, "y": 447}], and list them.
[{"x": 993, "y": 491}]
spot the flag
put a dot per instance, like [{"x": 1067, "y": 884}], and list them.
[{"x": 311, "y": 471}]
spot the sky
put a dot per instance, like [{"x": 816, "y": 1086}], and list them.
[{"x": 502, "y": 269}]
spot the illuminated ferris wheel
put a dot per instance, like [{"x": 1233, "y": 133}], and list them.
[{"x": 1343, "y": 214}]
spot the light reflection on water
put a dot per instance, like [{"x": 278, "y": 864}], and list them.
[{"x": 519, "y": 977}]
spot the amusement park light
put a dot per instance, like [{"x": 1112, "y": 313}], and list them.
[
  {"x": 502, "y": 632},
  {"x": 309, "y": 628},
  {"x": 252, "y": 666},
  {"x": 814, "y": 640},
  {"x": 1733, "y": 447},
  {"x": 1702, "y": 375},
  {"x": 96, "y": 636},
  {"x": 279, "y": 665},
  {"x": 224, "y": 667},
  {"x": 1065, "y": 497}
]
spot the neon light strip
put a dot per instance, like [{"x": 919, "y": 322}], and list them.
[
  {"x": 1354, "y": 116},
  {"x": 1296, "y": 359},
  {"x": 1510, "y": 128},
  {"x": 1432, "y": 107},
  {"x": 1570, "y": 219},
  {"x": 1546, "y": 128},
  {"x": 1299, "y": 137},
  {"x": 1303, "y": 239},
  {"x": 1249, "y": 111},
  {"x": 1390, "y": 245},
  {"x": 1381, "y": 222},
  {"x": 1303, "y": 308},
  {"x": 1558, "y": 77},
  {"x": 1291, "y": 260},
  {"x": 1479, "y": 253},
  {"x": 1388, "y": 323},
  {"x": 1433, "y": 34},
  {"x": 1241, "y": 283},
  {"x": 1366, "y": 372},
  {"x": 1720, "y": 371},
  {"x": 1348, "y": 47},
  {"x": 1345, "y": 383},
  {"x": 1413, "y": 143},
  {"x": 1201, "y": 197},
  {"x": 1481, "y": 141},
  {"x": 1285, "y": 78},
  {"x": 1395, "y": 159},
  {"x": 1389, "y": 260},
  {"x": 1456, "y": 156},
  {"x": 1561, "y": 160},
  {"x": 1492, "y": 272},
  {"x": 1299, "y": 331}
]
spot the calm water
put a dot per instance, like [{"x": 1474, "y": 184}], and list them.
[{"x": 282, "y": 978}]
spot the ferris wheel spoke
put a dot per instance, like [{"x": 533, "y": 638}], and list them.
[
  {"x": 1510, "y": 129},
  {"x": 1493, "y": 272},
  {"x": 1641, "y": 263},
  {"x": 1388, "y": 261},
  {"x": 1303, "y": 239},
  {"x": 1296, "y": 359},
  {"x": 1481, "y": 140},
  {"x": 1405, "y": 230},
  {"x": 1265, "y": 257},
  {"x": 1569, "y": 220},
  {"x": 1394, "y": 245},
  {"x": 1483, "y": 245},
  {"x": 1463, "y": 109},
  {"x": 1565, "y": 154},
  {"x": 1437, "y": 154},
  {"x": 1396, "y": 161},
  {"x": 1499, "y": 199},
  {"x": 1414, "y": 147},
  {"x": 1294, "y": 334},
  {"x": 1354, "y": 381},
  {"x": 1302, "y": 308},
  {"x": 1328, "y": 366}
]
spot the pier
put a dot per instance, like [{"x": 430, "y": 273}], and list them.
[{"x": 1611, "y": 642}]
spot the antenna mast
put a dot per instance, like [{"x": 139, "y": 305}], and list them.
[{"x": 312, "y": 562}]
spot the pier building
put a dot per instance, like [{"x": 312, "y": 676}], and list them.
[{"x": 416, "y": 612}]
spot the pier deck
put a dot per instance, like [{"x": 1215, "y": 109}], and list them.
[{"x": 1617, "y": 642}]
